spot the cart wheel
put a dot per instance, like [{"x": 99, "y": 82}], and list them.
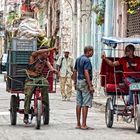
[
  {"x": 46, "y": 115},
  {"x": 109, "y": 115},
  {"x": 13, "y": 110},
  {"x": 137, "y": 119},
  {"x": 38, "y": 113}
]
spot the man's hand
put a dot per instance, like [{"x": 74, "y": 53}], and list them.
[
  {"x": 103, "y": 55},
  {"x": 91, "y": 89},
  {"x": 56, "y": 49},
  {"x": 55, "y": 71}
]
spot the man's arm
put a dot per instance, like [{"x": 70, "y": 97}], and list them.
[
  {"x": 38, "y": 52},
  {"x": 89, "y": 82},
  {"x": 51, "y": 67},
  {"x": 75, "y": 77},
  {"x": 109, "y": 62},
  {"x": 71, "y": 66},
  {"x": 86, "y": 73},
  {"x": 59, "y": 63}
]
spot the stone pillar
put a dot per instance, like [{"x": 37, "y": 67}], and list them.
[
  {"x": 108, "y": 24},
  {"x": 74, "y": 28},
  {"x": 66, "y": 24}
]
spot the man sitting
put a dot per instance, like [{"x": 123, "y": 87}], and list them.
[
  {"x": 131, "y": 67},
  {"x": 38, "y": 60}
]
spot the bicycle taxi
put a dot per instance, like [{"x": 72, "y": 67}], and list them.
[
  {"x": 112, "y": 79},
  {"x": 18, "y": 58}
]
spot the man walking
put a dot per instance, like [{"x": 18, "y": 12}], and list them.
[
  {"x": 83, "y": 85},
  {"x": 65, "y": 68}
]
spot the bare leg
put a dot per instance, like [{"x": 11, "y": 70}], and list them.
[
  {"x": 78, "y": 115},
  {"x": 84, "y": 117}
]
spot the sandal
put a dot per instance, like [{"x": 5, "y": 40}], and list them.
[
  {"x": 87, "y": 128},
  {"x": 78, "y": 127}
]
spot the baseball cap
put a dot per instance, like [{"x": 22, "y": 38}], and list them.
[{"x": 67, "y": 50}]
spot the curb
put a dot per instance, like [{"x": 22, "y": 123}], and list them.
[{"x": 99, "y": 106}]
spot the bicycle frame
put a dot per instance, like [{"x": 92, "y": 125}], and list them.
[
  {"x": 37, "y": 96},
  {"x": 38, "y": 106},
  {"x": 114, "y": 89}
]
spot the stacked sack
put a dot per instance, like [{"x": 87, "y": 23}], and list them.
[{"x": 28, "y": 29}]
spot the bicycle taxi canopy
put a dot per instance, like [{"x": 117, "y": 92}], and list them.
[{"x": 113, "y": 41}]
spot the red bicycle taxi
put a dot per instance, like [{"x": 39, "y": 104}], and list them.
[{"x": 114, "y": 86}]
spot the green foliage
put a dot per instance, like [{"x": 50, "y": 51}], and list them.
[
  {"x": 99, "y": 9},
  {"x": 12, "y": 17},
  {"x": 99, "y": 19},
  {"x": 131, "y": 5}
]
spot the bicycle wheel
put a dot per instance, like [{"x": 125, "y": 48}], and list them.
[
  {"x": 109, "y": 116},
  {"x": 46, "y": 115},
  {"x": 38, "y": 113},
  {"x": 137, "y": 119},
  {"x": 13, "y": 110}
]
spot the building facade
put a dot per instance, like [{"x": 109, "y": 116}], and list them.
[{"x": 2, "y": 2}]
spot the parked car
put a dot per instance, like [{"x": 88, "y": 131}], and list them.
[{"x": 4, "y": 61}]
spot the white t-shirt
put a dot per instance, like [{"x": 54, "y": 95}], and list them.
[{"x": 67, "y": 65}]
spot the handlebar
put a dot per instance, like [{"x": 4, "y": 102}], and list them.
[{"x": 36, "y": 79}]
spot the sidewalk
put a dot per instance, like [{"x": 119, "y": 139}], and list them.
[{"x": 100, "y": 99}]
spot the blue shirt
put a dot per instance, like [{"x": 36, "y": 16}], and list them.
[{"x": 83, "y": 63}]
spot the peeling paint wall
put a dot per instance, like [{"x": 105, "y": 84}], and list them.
[
  {"x": 66, "y": 24},
  {"x": 84, "y": 25}
]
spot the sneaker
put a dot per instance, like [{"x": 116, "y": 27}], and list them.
[
  {"x": 63, "y": 99},
  {"x": 26, "y": 117}
]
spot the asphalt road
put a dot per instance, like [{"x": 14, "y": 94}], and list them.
[{"x": 62, "y": 123}]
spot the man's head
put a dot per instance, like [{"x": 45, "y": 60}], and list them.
[
  {"x": 45, "y": 54},
  {"x": 129, "y": 50},
  {"x": 66, "y": 53},
  {"x": 88, "y": 51}
]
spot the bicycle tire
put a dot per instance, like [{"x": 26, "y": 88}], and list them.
[
  {"x": 38, "y": 113},
  {"x": 13, "y": 110}
]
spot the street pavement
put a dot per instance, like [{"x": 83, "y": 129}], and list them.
[
  {"x": 63, "y": 121},
  {"x": 99, "y": 99}
]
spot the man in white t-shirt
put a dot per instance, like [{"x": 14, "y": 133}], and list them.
[{"x": 65, "y": 67}]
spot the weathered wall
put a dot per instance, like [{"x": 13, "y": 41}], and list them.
[{"x": 66, "y": 18}]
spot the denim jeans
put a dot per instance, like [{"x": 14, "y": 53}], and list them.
[{"x": 128, "y": 81}]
